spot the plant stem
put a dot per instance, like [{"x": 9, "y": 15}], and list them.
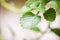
[
  {"x": 37, "y": 13},
  {"x": 49, "y": 25}
]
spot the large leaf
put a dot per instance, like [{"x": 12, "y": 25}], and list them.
[
  {"x": 56, "y": 31},
  {"x": 32, "y": 4},
  {"x": 50, "y": 14},
  {"x": 29, "y": 19}
]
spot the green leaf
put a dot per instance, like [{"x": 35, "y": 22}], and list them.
[
  {"x": 35, "y": 4},
  {"x": 50, "y": 14},
  {"x": 58, "y": 4},
  {"x": 44, "y": 1},
  {"x": 55, "y": 4},
  {"x": 26, "y": 9},
  {"x": 34, "y": 28},
  {"x": 56, "y": 31},
  {"x": 32, "y": 4},
  {"x": 29, "y": 2},
  {"x": 29, "y": 19},
  {"x": 41, "y": 8}
]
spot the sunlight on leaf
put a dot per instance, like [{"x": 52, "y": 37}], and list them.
[{"x": 29, "y": 19}]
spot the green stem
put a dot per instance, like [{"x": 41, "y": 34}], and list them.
[
  {"x": 49, "y": 25},
  {"x": 37, "y": 12}
]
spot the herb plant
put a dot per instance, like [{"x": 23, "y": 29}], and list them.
[{"x": 30, "y": 20}]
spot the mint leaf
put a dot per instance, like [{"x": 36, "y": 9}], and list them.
[
  {"x": 55, "y": 4},
  {"x": 58, "y": 4},
  {"x": 41, "y": 8},
  {"x": 26, "y": 9},
  {"x": 29, "y": 2},
  {"x": 35, "y": 4},
  {"x": 44, "y": 1},
  {"x": 56, "y": 31},
  {"x": 29, "y": 19},
  {"x": 32, "y": 4},
  {"x": 34, "y": 28},
  {"x": 50, "y": 14}
]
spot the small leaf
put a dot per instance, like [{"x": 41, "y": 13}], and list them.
[
  {"x": 29, "y": 19},
  {"x": 58, "y": 4},
  {"x": 44, "y": 1},
  {"x": 50, "y": 14},
  {"x": 34, "y": 28},
  {"x": 29, "y": 2},
  {"x": 32, "y": 4},
  {"x": 55, "y": 4},
  {"x": 56, "y": 31},
  {"x": 35, "y": 4},
  {"x": 41, "y": 8}
]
